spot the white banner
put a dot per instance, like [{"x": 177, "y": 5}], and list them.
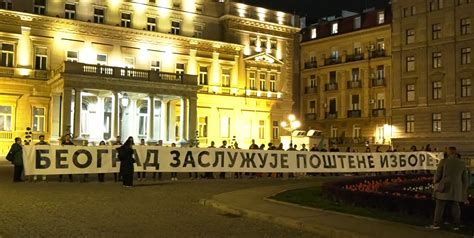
[{"x": 46, "y": 160}]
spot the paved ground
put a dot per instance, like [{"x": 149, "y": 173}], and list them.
[{"x": 155, "y": 209}]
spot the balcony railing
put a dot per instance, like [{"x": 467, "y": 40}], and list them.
[
  {"x": 310, "y": 116},
  {"x": 354, "y": 84},
  {"x": 331, "y": 115},
  {"x": 309, "y": 90},
  {"x": 377, "y": 53},
  {"x": 6, "y": 135},
  {"x": 354, "y": 57},
  {"x": 354, "y": 113},
  {"x": 24, "y": 73},
  {"x": 126, "y": 73},
  {"x": 378, "y": 82},
  {"x": 331, "y": 86},
  {"x": 310, "y": 65},
  {"x": 379, "y": 112},
  {"x": 331, "y": 61}
]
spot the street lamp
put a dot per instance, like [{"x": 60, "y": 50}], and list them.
[{"x": 291, "y": 126}]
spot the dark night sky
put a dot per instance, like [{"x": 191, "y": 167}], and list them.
[{"x": 315, "y": 9}]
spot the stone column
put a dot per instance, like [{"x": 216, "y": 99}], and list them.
[
  {"x": 215, "y": 70},
  {"x": 192, "y": 117},
  {"x": 66, "y": 111},
  {"x": 191, "y": 68},
  {"x": 164, "y": 120},
  {"x": 151, "y": 118},
  {"x": 55, "y": 116},
  {"x": 132, "y": 118},
  {"x": 234, "y": 80},
  {"x": 115, "y": 116},
  {"x": 172, "y": 121},
  {"x": 77, "y": 112},
  {"x": 99, "y": 134},
  {"x": 183, "y": 119}
]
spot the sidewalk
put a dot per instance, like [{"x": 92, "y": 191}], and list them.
[{"x": 253, "y": 203}]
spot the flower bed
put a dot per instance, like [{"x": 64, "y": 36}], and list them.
[{"x": 405, "y": 194}]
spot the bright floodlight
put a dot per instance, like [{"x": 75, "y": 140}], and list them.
[
  {"x": 295, "y": 124},
  {"x": 291, "y": 117},
  {"x": 284, "y": 124}
]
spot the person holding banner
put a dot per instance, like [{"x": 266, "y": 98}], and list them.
[
  {"x": 125, "y": 155},
  {"x": 174, "y": 175},
  {"x": 40, "y": 142},
  {"x": 101, "y": 177},
  {"x": 141, "y": 175},
  {"x": 16, "y": 150},
  {"x": 67, "y": 141}
]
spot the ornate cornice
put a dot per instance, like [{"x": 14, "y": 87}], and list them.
[
  {"x": 263, "y": 25},
  {"x": 112, "y": 32}
]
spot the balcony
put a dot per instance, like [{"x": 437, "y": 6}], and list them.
[
  {"x": 125, "y": 73},
  {"x": 310, "y": 65},
  {"x": 310, "y": 116},
  {"x": 354, "y": 57},
  {"x": 379, "y": 112},
  {"x": 377, "y": 53},
  {"x": 331, "y": 86},
  {"x": 331, "y": 115},
  {"x": 331, "y": 61},
  {"x": 354, "y": 113},
  {"x": 354, "y": 84},
  {"x": 376, "y": 82},
  {"x": 24, "y": 73},
  {"x": 310, "y": 90}
]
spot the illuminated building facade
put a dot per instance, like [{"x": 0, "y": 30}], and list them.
[
  {"x": 345, "y": 77},
  {"x": 152, "y": 69},
  {"x": 432, "y": 96}
]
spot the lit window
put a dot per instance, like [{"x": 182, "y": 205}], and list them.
[
  {"x": 380, "y": 72},
  {"x": 39, "y": 7},
  {"x": 312, "y": 106},
  {"x": 39, "y": 119},
  {"x": 436, "y": 5},
  {"x": 41, "y": 57},
  {"x": 252, "y": 81},
  {"x": 436, "y": 31},
  {"x": 436, "y": 122},
  {"x": 126, "y": 19},
  {"x": 312, "y": 81},
  {"x": 381, "y": 17},
  {"x": 142, "y": 121},
  {"x": 151, "y": 24},
  {"x": 334, "y": 28},
  {"x": 175, "y": 27},
  {"x": 5, "y": 118},
  {"x": 203, "y": 77},
  {"x": 410, "y": 63},
  {"x": 261, "y": 129},
  {"x": 99, "y": 15},
  {"x": 357, "y": 22},
  {"x": 437, "y": 90},
  {"x": 355, "y": 102},
  {"x": 356, "y": 131},
  {"x": 7, "y": 55},
  {"x": 410, "y": 36},
  {"x": 465, "y": 121},
  {"x": 202, "y": 127},
  {"x": 70, "y": 11},
  {"x": 410, "y": 92},
  {"x": 72, "y": 56},
  {"x": 436, "y": 60},
  {"x": 355, "y": 74},
  {"x": 465, "y": 87},
  {"x": 465, "y": 55},
  {"x": 314, "y": 33},
  {"x": 410, "y": 123},
  {"x": 276, "y": 130},
  {"x": 263, "y": 82},
  {"x": 226, "y": 78},
  {"x": 465, "y": 26},
  {"x": 179, "y": 69},
  {"x": 273, "y": 82}
]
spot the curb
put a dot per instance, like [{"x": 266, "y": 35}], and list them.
[{"x": 320, "y": 230}]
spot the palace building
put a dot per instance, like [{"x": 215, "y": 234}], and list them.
[
  {"x": 345, "y": 77},
  {"x": 211, "y": 70},
  {"x": 432, "y": 100}
]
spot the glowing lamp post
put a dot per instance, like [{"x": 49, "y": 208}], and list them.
[{"x": 291, "y": 126}]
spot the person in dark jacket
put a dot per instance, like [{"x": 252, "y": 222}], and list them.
[
  {"x": 125, "y": 155},
  {"x": 17, "y": 151},
  {"x": 67, "y": 141},
  {"x": 101, "y": 176}
]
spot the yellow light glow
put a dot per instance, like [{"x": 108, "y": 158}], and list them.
[
  {"x": 24, "y": 47},
  {"x": 279, "y": 95},
  {"x": 284, "y": 124},
  {"x": 248, "y": 92},
  {"x": 269, "y": 94},
  {"x": 87, "y": 54},
  {"x": 280, "y": 17},
  {"x": 139, "y": 6},
  {"x": 164, "y": 7},
  {"x": 114, "y": 3},
  {"x": 258, "y": 45},
  {"x": 144, "y": 52},
  {"x": 189, "y": 5},
  {"x": 261, "y": 13},
  {"x": 259, "y": 94},
  {"x": 24, "y": 72},
  {"x": 215, "y": 89},
  {"x": 241, "y": 9},
  {"x": 168, "y": 51},
  {"x": 247, "y": 50},
  {"x": 295, "y": 124},
  {"x": 235, "y": 91},
  {"x": 291, "y": 117},
  {"x": 216, "y": 71}
]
